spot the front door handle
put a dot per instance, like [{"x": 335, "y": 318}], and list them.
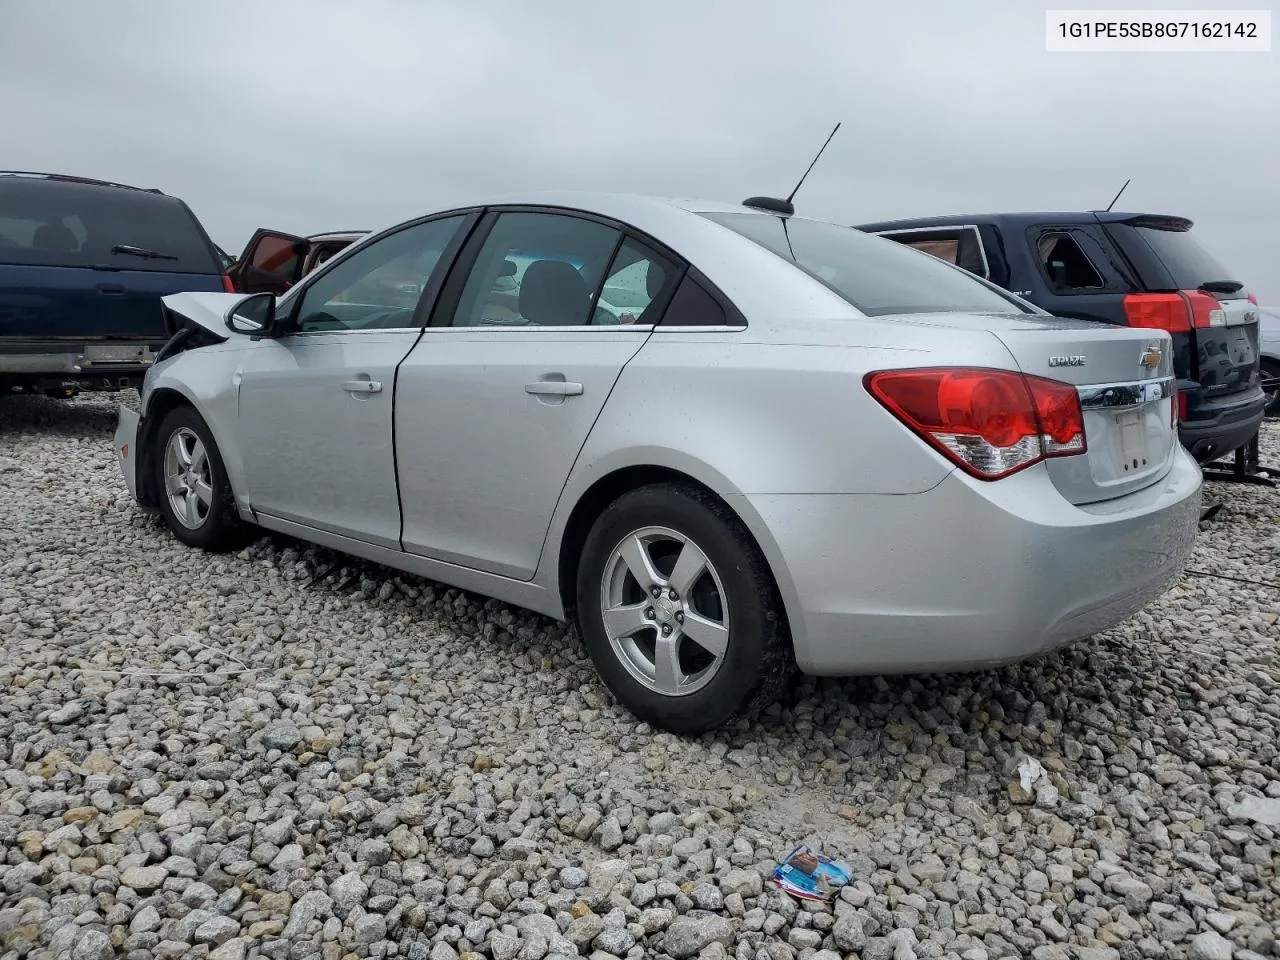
[
  {"x": 362, "y": 386},
  {"x": 110, "y": 288},
  {"x": 554, "y": 388}
]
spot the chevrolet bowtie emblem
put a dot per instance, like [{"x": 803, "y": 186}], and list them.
[{"x": 1151, "y": 357}]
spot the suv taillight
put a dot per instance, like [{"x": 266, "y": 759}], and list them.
[
  {"x": 227, "y": 285},
  {"x": 1174, "y": 312},
  {"x": 990, "y": 423}
]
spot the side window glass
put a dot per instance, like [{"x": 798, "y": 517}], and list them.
[
  {"x": 693, "y": 306},
  {"x": 1066, "y": 265},
  {"x": 942, "y": 249},
  {"x": 635, "y": 285},
  {"x": 378, "y": 287},
  {"x": 536, "y": 269}
]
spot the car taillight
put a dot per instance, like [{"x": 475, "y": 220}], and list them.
[
  {"x": 1182, "y": 405},
  {"x": 1253, "y": 299},
  {"x": 991, "y": 423},
  {"x": 1158, "y": 311},
  {"x": 1205, "y": 311},
  {"x": 1174, "y": 312},
  {"x": 227, "y": 285}
]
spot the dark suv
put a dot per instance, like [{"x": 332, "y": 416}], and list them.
[
  {"x": 83, "y": 265},
  {"x": 1132, "y": 269}
]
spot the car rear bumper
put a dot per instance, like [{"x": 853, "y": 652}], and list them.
[
  {"x": 971, "y": 574},
  {"x": 126, "y": 446},
  {"x": 1223, "y": 424},
  {"x": 74, "y": 360}
]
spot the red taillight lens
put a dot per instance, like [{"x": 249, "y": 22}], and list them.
[
  {"x": 1205, "y": 311},
  {"x": 1182, "y": 406},
  {"x": 989, "y": 422},
  {"x": 1253, "y": 299},
  {"x": 227, "y": 285},
  {"x": 1158, "y": 311}
]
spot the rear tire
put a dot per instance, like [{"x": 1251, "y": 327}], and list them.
[
  {"x": 691, "y": 659},
  {"x": 191, "y": 485},
  {"x": 1270, "y": 370}
]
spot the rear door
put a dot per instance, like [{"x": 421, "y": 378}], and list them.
[
  {"x": 85, "y": 261},
  {"x": 1224, "y": 338},
  {"x": 272, "y": 262},
  {"x": 494, "y": 404}
]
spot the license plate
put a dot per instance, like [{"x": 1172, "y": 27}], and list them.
[
  {"x": 116, "y": 353},
  {"x": 1133, "y": 439}
]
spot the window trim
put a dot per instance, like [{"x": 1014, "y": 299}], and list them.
[
  {"x": 1038, "y": 233},
  {"x": 430, "y": 291},
  {"x": 942, "y": 228}
]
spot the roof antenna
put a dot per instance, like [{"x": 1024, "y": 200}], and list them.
[
  {"x": 786, "y": 207},
  {"x": 1117, "y": 196}
]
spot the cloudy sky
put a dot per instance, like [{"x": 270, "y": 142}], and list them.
[{"x": 318, "y": 115}]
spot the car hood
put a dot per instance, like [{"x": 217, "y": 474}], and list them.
[{"x": 206, "y": 310}]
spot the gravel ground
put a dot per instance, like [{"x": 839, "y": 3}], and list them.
[{"x": 287, "y": 753}]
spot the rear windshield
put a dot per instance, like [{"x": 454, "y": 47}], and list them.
[
  {"x": 54, "y": 223},
  {"x": 1188, "y": 263},
  {"x": 878, "y": 276}
]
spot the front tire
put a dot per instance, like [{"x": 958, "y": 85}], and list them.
[
  {"x": 191, "y": 485},
  {"x": 679, "y": 612}
]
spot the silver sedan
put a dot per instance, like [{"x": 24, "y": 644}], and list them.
[{"x": 729, "y": 442}]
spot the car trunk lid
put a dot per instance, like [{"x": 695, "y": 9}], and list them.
[
  {"x": 1218, "y": 316},
  {"x": 1124, "y": 378}
]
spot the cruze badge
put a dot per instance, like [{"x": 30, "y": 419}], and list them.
[
  {"x": 1067, "y": 361},
  {"x": 1151, "y": 357}
]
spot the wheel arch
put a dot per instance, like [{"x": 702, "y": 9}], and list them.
[{"x": 594, "y": 497}]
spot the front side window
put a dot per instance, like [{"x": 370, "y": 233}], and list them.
[
  {"x": 379, "y": 286},
  {"x": 539, "y": 269},
  {"x": 876, "y": 275}
]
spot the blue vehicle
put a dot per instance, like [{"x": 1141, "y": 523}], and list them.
[
  {"x": 1126, "y": 269},
  {"x": 83, "y": 265}
]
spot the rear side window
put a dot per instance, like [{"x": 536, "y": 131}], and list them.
[
  {"x": 1065, "y": 264},
  {"x": 878, "y": 276},
  {"x": 54, "y": 223},
  {"x": 959, "y": 245}
]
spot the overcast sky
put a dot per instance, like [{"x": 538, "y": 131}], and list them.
[{"x": 337, "y": 115}]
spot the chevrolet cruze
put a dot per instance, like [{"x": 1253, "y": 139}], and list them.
[{"x": 798, "y": 446}]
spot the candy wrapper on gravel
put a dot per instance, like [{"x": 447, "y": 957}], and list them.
[{"x": 811, "y": 876}]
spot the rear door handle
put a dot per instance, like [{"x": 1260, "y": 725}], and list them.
[
  {"x": 554, "y": 388},
  {"x": 362, "y": 386},
  {"x": 111, "y": 288}
]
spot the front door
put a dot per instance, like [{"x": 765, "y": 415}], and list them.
[
  {"x": 496, "y": 401},
  {"x": 315, "y": 404}
]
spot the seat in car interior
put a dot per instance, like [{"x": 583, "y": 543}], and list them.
[{"x": 553, "y": 293}]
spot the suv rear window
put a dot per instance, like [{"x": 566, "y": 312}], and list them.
[
  {"x": 1188, "y": 263},
  {"x": 880, "y": 277},
  {"x": 60, "y": 224}
]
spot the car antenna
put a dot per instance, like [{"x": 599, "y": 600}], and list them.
[
  {"x": 1117, "y": 196},
  {"x": 786, "y": 207}
]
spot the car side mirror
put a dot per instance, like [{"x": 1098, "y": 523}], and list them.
[{"x": 254, "y": 316}]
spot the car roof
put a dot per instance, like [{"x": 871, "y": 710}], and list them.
[
  {"x": 338, "y": 235},
  {"x": 1015, "y": 220},
  {"x": 69, "y": 178}
]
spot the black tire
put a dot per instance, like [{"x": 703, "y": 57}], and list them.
[
  {"x": 758, "y": 660},
  {"x": 221, "y": 529},
  {"x": 1271, "y": 370}
]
